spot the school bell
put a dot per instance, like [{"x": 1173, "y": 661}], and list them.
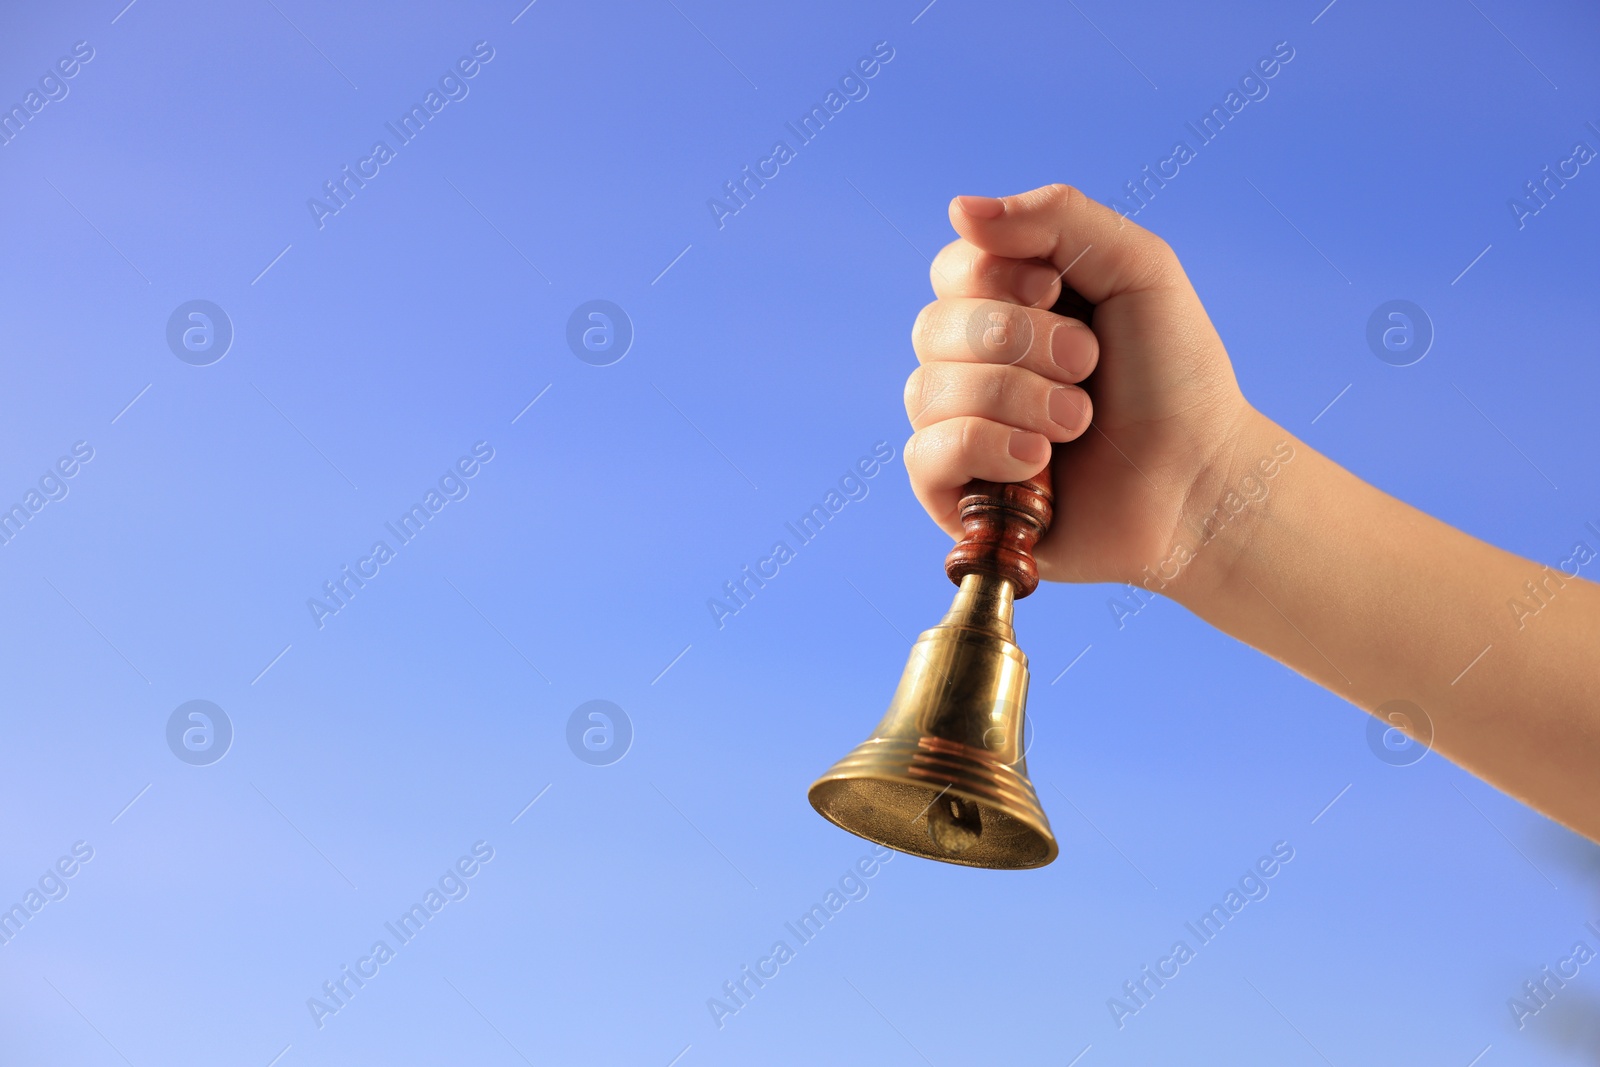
[{"x": 945, "y": 774}]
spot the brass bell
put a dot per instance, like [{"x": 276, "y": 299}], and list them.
[{"x": 944, "y": 775}]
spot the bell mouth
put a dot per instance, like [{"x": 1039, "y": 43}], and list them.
[{"x": 937, "y": 800}]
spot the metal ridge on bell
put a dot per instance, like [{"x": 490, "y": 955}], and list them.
[{"x": 944, "y": 776}]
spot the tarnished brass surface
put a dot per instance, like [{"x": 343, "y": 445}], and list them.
[{"x": 944, "y": 775}]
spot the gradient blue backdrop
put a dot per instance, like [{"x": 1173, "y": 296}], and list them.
[{"x": 769, "y": 355}]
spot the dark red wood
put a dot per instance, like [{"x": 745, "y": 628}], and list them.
[{"x": 1002, "y": 522}]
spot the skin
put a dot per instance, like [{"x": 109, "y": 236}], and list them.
[{"x": 1163, "y": 488}]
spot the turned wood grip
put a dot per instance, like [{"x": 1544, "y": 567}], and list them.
[{"x": 1003, "y": 522}]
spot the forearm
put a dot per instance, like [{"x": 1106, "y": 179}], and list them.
[{"x": 1376, "y": 601}]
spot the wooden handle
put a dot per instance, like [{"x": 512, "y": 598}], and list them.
[{"x": 1003, "y": 522}]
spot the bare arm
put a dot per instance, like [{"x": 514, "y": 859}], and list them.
[{"x": 1377, "y": 602}]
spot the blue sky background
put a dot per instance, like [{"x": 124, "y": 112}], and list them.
[{"x": 769, "y": 354}]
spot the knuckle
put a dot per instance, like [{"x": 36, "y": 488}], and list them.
[
  {"x": 1026, "y": 393},
  {"x": 955, "y": 252},
  {"x": 1159, "y": 262},
  {"x": 994, "y": 387},
  {"x": 922, "y": 452},
  {"x": 1064, "y": 198},
  {"x": 911, "y": 453},
  {"x": 1162, "y": 256},
  {"x": 914, "y": 390},
  {"x": 969, "y": 438},
  {"x": 990, "y": 273},
  {"x": 922, "y": 327},
  {"x": 952, "y": 267},
  {"x": 912, "y": 456},
  {"x": 919, "y": 394}
]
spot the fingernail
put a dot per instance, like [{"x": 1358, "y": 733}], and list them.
[
  {"x": 1032, "y": 283},
  {"x": 1029, "y": 447},
  {"x": 1068, "y": 351},
  {"x": 982, "y": 207},
  {"x": 1066, "y": 411}
]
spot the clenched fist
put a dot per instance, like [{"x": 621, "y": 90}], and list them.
[{"x": 1147, "y": 398}]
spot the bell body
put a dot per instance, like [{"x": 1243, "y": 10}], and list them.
[{"x": 944, "y": 775}]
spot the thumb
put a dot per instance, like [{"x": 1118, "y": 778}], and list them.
[{"x": 1098, "y": 251}]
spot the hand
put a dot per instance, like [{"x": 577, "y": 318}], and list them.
[{"x": 997, "y": 382}]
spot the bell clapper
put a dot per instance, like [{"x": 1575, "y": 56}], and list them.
[{"x": 954, "y": 824}]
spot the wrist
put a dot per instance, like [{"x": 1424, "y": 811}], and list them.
[{"x": 1225, "y": 504}]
